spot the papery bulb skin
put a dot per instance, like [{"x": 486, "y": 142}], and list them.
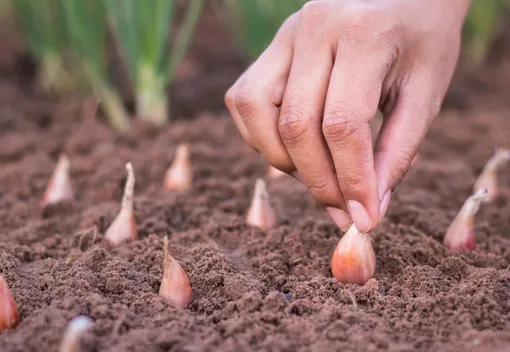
[
  {"x": 273, "y": 173},
  {"x": 175, "y": 286},
  {"x": 488, "y": 179},
  {"x": 179, "y": 176},
  {"x": 9, "y": 314},
  {"x": 354, "y": 258},
  {"x": 75, "y": 329},
  {"x": 59, "y": 188},
  {"x": 261, "y": 213},
  {"x": 460, "y": 234},
  {"x": 123, "y": 227}
]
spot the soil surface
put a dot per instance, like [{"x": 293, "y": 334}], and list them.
[{"x": 251, "y": 290}]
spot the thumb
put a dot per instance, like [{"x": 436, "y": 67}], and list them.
[{"x": 403, "y": 131}]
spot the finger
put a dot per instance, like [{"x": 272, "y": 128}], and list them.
[
  {"x": 352, "y": 100},
  {"x": 260, "y": 94},
  {"x": 230, "y": 103},
  {"x": 403, "y": 132},
  {"x": 301, "y": 116}
]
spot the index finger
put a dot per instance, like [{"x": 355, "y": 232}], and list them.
[{"x": 352, "y": 100}]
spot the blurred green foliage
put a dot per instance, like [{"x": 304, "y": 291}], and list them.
[
  {"x": 66, "y": 34},
  {"x": 142, "y": 30},
  {"x": 481, "y": 27},
  {"x": 256, "y": 22},
  {"x": 43, "y": 26}
]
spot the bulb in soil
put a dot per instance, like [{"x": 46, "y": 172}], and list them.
[
  {"x": 179, "y": 176},
  {"x": 175, "y": 286},
  {"x": 59, "y": 188},
  {"x": 488, "y": 178},
  {"x": 354, "y": 258},
  {"x": 9, "y": 314},
  {"x": 75, "y": 329},
  {"x": 460, "y": 233},
  {"x": 273, "y": 173},
  {"x": 123, "y": 227},
  {"x": 261, "y": 214}
]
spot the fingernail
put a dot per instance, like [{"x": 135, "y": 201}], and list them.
[
  {"x": 340, "y": 217},
  {"x": 359, "y": 215},
  {"x": 384, "y": 204}
]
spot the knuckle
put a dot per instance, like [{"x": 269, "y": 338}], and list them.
[
  {"x": 355, "y": 183},
  {"x": 313, "y": 13},
  {"x": 339, "y": 124},
  {"x": 318, "y": 188},
  {"x": 292, "y": 126},
  {"x": 245, "y": 103}
]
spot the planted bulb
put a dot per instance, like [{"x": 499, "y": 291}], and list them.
[
  {"x": 175, "y": 286},
  {"x": 9, "y": 314},
  {"x": 123, "y": 227},
  {"x": 460, "y": 234},
  {"x": 74, "y": 331},
  {"x": 179, "y": 176},
  {"x": 488, "y": 178},
  {"x": 354, "y": 258},
  {"x": 59, "y": 188},
  {"x": 261, "y": 213}
]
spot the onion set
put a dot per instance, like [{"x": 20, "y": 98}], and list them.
[
  {"x": 353, "y": 260},
  {"x": 460, "y": 234},
  {"x": 261, "y": 213},
  {"x": 123, "y": 227}
]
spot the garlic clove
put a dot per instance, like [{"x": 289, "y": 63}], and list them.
[
  {"x": 488, "y": 178},
  {"x": 175, "y": 286},
  {"x": 123, "y": 227},
  {"x": 261, "y": 213},
  {"x": 353, "y": 260},
  {"x": 74, "y": 331},
  {"x": 59, "y": 187},
  {"x": 9, "y": 314},
  {"x": 179, "y": 176},
  {"x": 460, "y": 234}
]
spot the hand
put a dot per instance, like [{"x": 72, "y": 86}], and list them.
[{"x": 306, "y": 103}]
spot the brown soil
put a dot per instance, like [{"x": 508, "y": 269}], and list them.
[{"x": 252, "y": 290}]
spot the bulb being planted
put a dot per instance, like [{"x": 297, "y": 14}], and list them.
[
  {"x": 488, "y": 178},
  {"x": 460, "y": 233},
  {"x": 179, "y": 176},
  {"x": 175, "y": 286},
  {"x": 123, "y": 227},
  {"x": 9, "y": 314},
  {"x": 75, "y": 329},
  {"x": 261, "y": 214},
  {"x": 59, "y": 188},
  {"x": 354, "y": 258}
]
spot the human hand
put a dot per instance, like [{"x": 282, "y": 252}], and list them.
[{"x": 306, "y": 103}]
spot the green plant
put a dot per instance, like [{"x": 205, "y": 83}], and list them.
[
  {"x": 43, "y": 26},
  {"x": 481, "y": 27},
  {"x": 87, "y": 30},
  {"x": 142, "y": 31},
  {"x": 257, "y": 21}
]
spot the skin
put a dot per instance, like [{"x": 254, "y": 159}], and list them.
[{"x": 305, "y": 104}]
